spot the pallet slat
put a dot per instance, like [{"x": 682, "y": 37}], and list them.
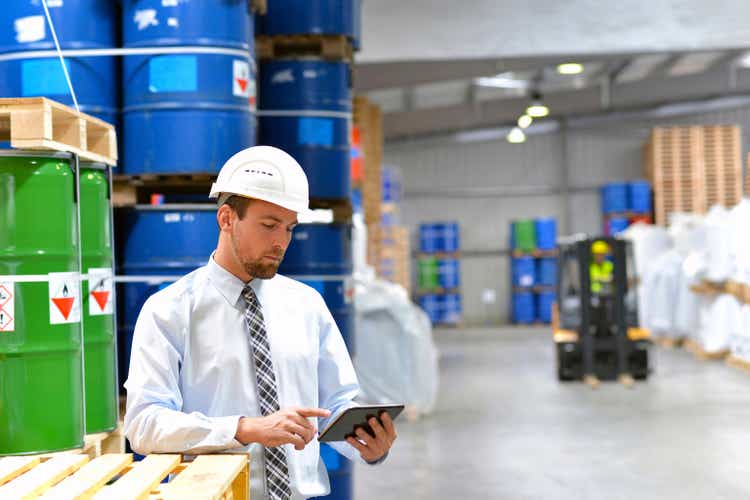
[
  {"x": 42, "y": 477},
  {"x": 89, "y": 478},
  {"x": 12, "y": 467},
  {"x": 141, "y": 479},
  {"x": 207, "y": 478}
]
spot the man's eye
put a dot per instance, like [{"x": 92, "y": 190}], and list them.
[{"x": 269, "y": 226}]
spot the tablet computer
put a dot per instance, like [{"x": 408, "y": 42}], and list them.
[{"x": 350, "y": 419}]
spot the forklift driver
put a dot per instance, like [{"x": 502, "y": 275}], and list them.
[{"x": 601, "y": 270}]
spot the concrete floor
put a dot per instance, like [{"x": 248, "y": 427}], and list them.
[{"x": 505, "y": 428}]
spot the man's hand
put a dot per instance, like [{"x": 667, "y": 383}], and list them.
[
  {"x": 371, "y": 448},
  {"x": 287, "y": 426}
]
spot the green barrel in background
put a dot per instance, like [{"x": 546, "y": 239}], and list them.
[
  {"x": 524, "y": 235},
  {"x": 100, "y": 362},
  {"x": 41, "y": 379},
  {"x": 428, "y": 273}
]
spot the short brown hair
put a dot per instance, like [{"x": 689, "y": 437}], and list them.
[{"x": 237, "y": 203}]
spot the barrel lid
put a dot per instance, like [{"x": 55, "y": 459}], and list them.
[
  {"x": 176, "y": 207},
  {"x": 23, "y": 153}
]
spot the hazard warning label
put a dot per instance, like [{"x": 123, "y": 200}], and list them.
[
  {"x": 241, "y": 78},
  {"x": 7, "y": 307},
  {"x": 100, "y": 291},
  {"x": 64, "y": 298}
]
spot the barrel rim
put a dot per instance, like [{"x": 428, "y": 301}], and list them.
[{"x": 29, "y": 153}]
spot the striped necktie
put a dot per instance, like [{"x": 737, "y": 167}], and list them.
[{"x": 277, "y": 473}]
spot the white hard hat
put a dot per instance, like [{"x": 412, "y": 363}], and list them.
[{"x": 264, "y": 173}]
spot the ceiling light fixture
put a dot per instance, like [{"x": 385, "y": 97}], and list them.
[
  {"x": 570, "y": 68},
  {"x": 524, "y": 121},
  {"x": 516, "y": 136}
]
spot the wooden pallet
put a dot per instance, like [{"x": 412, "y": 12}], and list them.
[
  {"x": 95, "y": 445},
  {"x": 260, "y": 7},
  {"x": 37, "y": 123},
  {"x": 738, "y": 363},
  {"x": 669, "y": 342},
  {"x": 723, "y": 164},
  {"x": 77, "y": 476},
  {"x": 328, "y": 47},
  {"x": 535, "y": 253},
  {"x": 368, "y": 120},
  {"x": 702, "y": 354},
  {"x": 132, "y": 190}
]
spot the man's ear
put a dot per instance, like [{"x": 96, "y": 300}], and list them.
[{"x": 225, "y": 217}]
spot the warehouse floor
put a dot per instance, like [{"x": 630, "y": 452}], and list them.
[{"x": 505, "y": 428}]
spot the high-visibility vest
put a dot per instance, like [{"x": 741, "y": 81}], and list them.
[{"x": 600, "y": 274}]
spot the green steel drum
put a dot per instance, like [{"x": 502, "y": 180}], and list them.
[
  {"x": 428, "y": 273},
  {"x": 524, "y": 235},
  {"x": 99, "y": 327},
  {"x": 41, "y": 379}
]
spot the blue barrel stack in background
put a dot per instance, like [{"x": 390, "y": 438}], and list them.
[
  {"x": 305, "y": 108},
  {"x": 80, "y": 24},
  {"x": 533, "y": 271},
  {"x": 439, "y": 272},
  {"x": 624, "y": 204}
]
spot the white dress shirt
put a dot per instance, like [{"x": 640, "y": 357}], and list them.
[{"x": 192, "y": 374}]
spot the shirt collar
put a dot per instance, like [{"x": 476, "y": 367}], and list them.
[{"x": 229, "y": 285}]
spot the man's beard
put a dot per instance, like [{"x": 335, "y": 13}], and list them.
[{"x": 257, "y": 268}]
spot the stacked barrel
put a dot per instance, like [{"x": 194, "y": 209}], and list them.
[
  {"x": 305, "y": 108},
  {"x": 625, "y": 203},
  {"x": 57, "y": 330},
  {"x": 53, "y": 323},
  {"x": 188, "y": 106},
  {"x": 533, "y": 270},
  {"x": 438, "y": 272}
]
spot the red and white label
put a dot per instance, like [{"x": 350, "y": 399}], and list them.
[
  {"x": 241, "y": 80},
  {"x": 100, "y": 291},
  {"x": 7, "y": 307},
  {"x": 64, "y": 298}
]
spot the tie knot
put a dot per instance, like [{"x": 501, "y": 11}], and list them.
[{"x": 249, "y": 295}]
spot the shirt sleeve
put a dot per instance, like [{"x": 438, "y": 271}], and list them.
[
  {"x": 153, "y": 420},
  {"x": 337, "y": 380}
]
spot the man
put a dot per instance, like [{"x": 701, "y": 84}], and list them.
[
  {"x": 233, "y": 356},
  {"x": 600, "y": 270}
]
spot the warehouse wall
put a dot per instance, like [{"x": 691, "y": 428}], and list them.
[{"x": 486, "y": 184}]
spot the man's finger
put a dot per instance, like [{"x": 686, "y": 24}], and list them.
[
  {"x": 378, "y": 429},
  {"x": 298, "y": 442},
  {"x": 313, "y": 412},
  {"x": 387, "y": 421},
  {"x": 303, "y": 432},
  {"x": 300, "y": 420},
  {"x": 365, "y": 436},
  {"x": 362, "y": 449}
]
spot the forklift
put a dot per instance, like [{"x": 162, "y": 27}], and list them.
[{"x": 595, "y": 321}]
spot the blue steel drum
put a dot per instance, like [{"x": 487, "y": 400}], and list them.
[
  {"x": 305, "y": 109},
  {"x": 615, "y": 197},
  {"x": 449, "y": 273},
  {"x": 163, "y": 240},
  {"x": 546, "y": 233},
  {"x": 523, "y": 311},
  {"x": 452, "y": 310},
  {"x": 429, "y": 238},
  {"x": 546, "y": 272},
  {"x": 340, "y": 472},
  {"x": 321, "y": 17},
  {"x": 523, "y": 271},
  {"x": 187, "y": 112},
  {"x": 320, "y": 255},
  {"x": 544, "y": 301},
  {"x": 79, "y": 24},
  {"x": 639, "y": 197},
  {"x": 617, "y": 225},
  {"x": 450, "y": 237},
  {"x": 433, "y": 307}
]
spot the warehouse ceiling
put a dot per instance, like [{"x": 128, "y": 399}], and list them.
[{"x": 434, "y": 67}]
